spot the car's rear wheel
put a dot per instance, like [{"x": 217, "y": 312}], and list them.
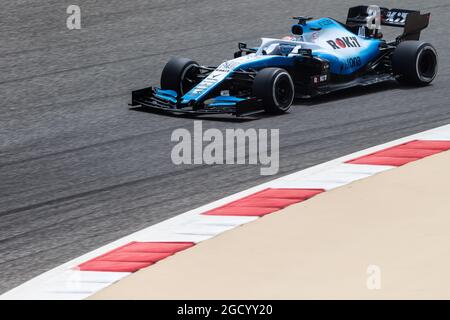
[
  {"x": 415, "y": 63},
  {"x": 179, "y": 75},
  {"x": 276, "y": 89}
]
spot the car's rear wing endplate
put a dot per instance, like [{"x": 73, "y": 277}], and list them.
[{"x": 412, "y": 21}]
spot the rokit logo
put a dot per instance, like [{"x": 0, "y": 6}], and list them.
[{"x": 344, "y": 42}]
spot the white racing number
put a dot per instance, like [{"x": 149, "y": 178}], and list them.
[
  {"x": 373, "y": 20},
  {"x": 397, "y": 17}
]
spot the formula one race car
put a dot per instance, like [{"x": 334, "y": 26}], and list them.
[{"x": 322, "y": 56}]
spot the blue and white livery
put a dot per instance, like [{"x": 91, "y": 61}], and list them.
[{"x": 322, "y": 55}]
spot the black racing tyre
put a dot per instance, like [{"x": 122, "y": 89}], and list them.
[
  {"x": 179, "y": 75},
  {"x": 276, "y": 89},
  {"x": 415, "y": 63}
]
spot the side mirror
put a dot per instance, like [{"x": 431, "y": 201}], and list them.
[
  {"x": 305, "y": 52},
  {"x": 242, "y": 45}
]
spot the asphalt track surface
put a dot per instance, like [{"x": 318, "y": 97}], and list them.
[{"x": 78, "y": 169}]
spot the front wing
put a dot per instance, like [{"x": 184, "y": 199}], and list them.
[{"x": 152, "y": 99}]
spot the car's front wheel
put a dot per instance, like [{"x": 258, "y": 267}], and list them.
[
  {"x": 179, "y": 75},
  {"x": 276, "y": 89},
  {"x": 415, "y": 63}
]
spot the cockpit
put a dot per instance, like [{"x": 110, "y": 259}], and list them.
[{"x": 280, "y": 47}]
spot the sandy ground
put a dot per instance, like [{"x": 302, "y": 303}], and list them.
[{"x": 384, "y": 237}]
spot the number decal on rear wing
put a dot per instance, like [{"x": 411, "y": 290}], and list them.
[
  {"x": 396, "y": 17},
  {"x": 373, "y": 17}
]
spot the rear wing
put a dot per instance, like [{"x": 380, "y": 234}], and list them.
[{"x": 412, "y": 21}]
